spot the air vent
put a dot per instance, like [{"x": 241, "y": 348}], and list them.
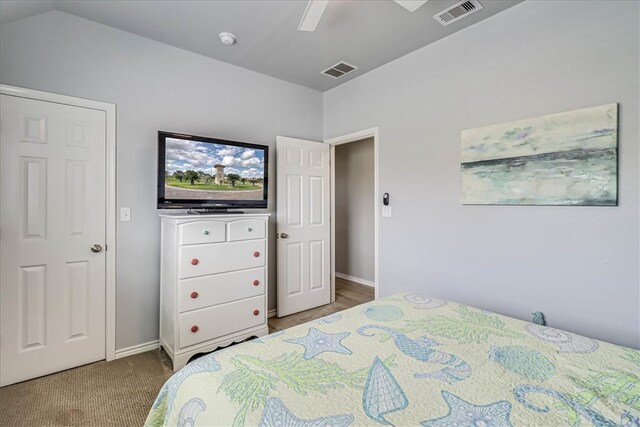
[
  {"x": 457, "y": 12},
  {"x": 339, "y": 70}
]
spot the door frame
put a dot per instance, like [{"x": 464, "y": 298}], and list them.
[
  {"x": 110, "y": 160},
  {"x": 340, "y": 140}
]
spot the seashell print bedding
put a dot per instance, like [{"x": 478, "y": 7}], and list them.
[{"x": 405, "y": 360}]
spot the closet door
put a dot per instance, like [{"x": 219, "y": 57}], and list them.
[{"x": 52, "y": 237}]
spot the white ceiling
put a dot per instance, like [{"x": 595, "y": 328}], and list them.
[{"x": 365, "y": 33}]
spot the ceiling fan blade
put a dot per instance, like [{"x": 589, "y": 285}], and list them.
[
  {"x": 411, "y": 5},
  {"x": 312, "y": 15}
]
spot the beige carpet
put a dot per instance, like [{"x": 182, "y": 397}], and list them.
[{"x": 117, "y": 393}]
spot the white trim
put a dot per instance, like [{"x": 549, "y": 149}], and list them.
[
  {"x": 136, "y": 349},
  {"x": 271, "y": 313},
  {"x": 355, "y": 279},
  {"x": 332, "y": 253},
  {"x": 110, "y": 111},
  {"x": 345, "y": 139},
  {"x": 110, "y": 253}
]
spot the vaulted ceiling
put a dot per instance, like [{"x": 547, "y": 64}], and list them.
[{"x": 365, "y": 33}]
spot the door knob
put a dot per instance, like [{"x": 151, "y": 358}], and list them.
[
  {"x": 283, "y": 235},
  {"x": 96, "y": 248}
]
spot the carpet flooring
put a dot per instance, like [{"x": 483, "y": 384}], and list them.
[
  {"x": 120, "y": 393},
  {"x": 117, "y": 393}
]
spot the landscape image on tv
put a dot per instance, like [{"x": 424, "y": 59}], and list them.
[{"x": 205, "y": 170}]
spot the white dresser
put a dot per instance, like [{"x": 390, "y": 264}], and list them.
[{"x": 213, "y": 282}]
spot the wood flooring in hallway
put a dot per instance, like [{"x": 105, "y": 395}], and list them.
[{"x": 348, "y": 294}]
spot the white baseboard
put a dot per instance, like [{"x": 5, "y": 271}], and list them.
[
  {"x": 271, "y": 313},
  {"x": 140, "y": 348},
  {"x": 355, "y": 279}
]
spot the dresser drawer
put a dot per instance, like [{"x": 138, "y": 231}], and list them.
[
  {"x": 205, "y": 291},
  {"x": 201, "y": 260},
  {"x": 202, "y": 232},
  {"x": 213, "y": 322},
  {"x": 247, "y": 229}
]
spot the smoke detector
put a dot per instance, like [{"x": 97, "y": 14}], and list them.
[{"x": 227, "y": 39}]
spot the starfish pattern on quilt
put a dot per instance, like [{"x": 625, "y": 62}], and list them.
[
  {"x": 462, "y": 413},
  {"x": 317, "y": 342}
]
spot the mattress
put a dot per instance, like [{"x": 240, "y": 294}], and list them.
[{"x": 408, "y": 359}]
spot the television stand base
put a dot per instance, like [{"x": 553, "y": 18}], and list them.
[{"x": 208, "y": 211}]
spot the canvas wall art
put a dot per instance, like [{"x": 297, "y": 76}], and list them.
[{"x": 561, "y": 159}]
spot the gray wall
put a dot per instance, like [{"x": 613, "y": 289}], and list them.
[
  {"x": 579, "y": 265},
  {"x": 155, "y": 87},
  {"x": 354, "y": 217}
]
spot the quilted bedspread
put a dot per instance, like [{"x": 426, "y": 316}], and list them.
[{"x": 408, "y": 360}]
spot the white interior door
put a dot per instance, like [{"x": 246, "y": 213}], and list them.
[
  {"x": 52, "y": 211},
  {"x": 303, "y": 225}
]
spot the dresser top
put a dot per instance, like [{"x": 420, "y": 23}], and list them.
[{"x": 214, "y": 215}]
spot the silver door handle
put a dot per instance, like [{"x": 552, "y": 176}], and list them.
[
  {"x": 284, "y": 235},
  {"x": 96, "y": 248}
]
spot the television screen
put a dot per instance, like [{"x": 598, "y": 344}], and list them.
[{"x": 202, "y": 172}]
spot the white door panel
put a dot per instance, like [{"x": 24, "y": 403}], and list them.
[
  {"x": 52, "y": 210},
  {"x": 303, "y": 225}
]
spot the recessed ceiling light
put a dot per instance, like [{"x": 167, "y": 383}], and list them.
[{"x": 227, "y": 38}]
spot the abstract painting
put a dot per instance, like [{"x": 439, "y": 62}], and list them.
[{"x": 562, "y": 159}]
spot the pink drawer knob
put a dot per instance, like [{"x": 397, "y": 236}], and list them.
[
  {"x": 256, "y": 254},
  {"x": 194, "y": 295},
  {"x": 256, "y": 282},
  {"x": 194, "y": 329},
  {"x": 256, "y": 312},
  {"x": 194, "y": 261}
]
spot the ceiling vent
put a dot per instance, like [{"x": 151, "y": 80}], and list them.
[
  {"x": 339, "y": 70},
  {"x": 457, "y": 12}
]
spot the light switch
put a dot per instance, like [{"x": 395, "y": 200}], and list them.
[
  {"x": 125, "y": 214},
  {"x": 386, "y": 211}
]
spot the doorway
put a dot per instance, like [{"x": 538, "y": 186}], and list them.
[
  {"x": 354, "y": 213},
  {"x": 354, "y": 218}
]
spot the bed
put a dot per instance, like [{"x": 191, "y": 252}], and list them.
[{"x": 408, "y": 360}]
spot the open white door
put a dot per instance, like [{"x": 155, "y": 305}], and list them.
[{"x": 303, "y": 225}]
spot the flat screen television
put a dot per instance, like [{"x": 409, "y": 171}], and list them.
[{"x": 196, "y": 172}]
